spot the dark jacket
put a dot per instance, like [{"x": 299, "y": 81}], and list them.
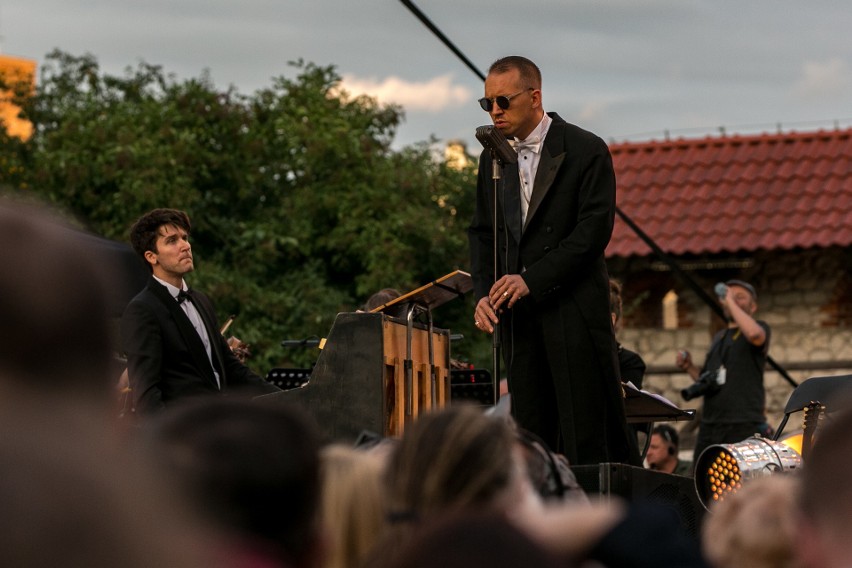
[
  {"x": 165, "y": 356},
  {"x": 560, "y": 254}
]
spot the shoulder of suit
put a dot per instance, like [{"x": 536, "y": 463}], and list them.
[
  {"x": 144, "y": 302},
  {"x": 145, "y": 293},
  {"x": 573, "y": 134},
  {"x": 153, "y": 294}
]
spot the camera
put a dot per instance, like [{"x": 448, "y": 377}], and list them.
[{"x": 708, "y": 382}]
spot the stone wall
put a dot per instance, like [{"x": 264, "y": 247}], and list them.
[{"x": 803, "y": 296}]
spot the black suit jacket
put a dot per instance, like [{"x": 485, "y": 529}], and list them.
[
  {"x": 568, "y": 225},
  {"x": 559, "y": 251},
  {"x": 166, "y": 359}
]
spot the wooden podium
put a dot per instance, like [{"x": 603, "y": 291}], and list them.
[
  {"x": 416, "y": 368},
  {"x": 376, "y": 372}
]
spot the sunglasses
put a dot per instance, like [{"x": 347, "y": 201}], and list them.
[{"x": 502, "y": 101}]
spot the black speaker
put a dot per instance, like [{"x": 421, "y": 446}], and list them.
[
  {"x": 637, "y": 484},
  {"x": 472, "y": 386}
]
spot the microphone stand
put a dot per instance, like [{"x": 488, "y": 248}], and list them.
[
  {"x": 500, "y": 152},
  {"x": 496, "y": 175}
]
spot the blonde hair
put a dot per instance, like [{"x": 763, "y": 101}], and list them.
[
  {"x": 451, "y": 459},
  {"x": 754, "y": 527},
  {"x": 352, "y": 503},
  {"x": 529, "y": 71}
]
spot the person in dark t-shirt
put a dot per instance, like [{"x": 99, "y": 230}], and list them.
[{"x": 734, "y": 400}]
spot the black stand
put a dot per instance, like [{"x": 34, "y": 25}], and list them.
[
  {"x": 496, "y": 175},
  {"x": 643, "y": 408},
  {"x": 412, "y": 311}
]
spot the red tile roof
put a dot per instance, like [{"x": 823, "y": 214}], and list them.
[{"x": 735, "y": 193}]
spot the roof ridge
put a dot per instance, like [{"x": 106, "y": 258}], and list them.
[{"x": 731, "y": 139}]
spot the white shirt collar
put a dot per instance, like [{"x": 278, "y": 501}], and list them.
[{"x": 539, "y": 132}]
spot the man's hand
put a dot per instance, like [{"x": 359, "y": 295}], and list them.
[
  {"x": 508, "y": 290},
  {"x": 484, "y": 316},
  {"x": 683, "y": 359},
  {"x": 741, "y": 307},
  {"x": 684, "y": 362}
]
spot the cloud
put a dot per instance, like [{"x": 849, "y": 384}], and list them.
[
  {"x": 593, "y": 110},
  {"x": 823, "y": 79},
  {"x": 435, "y": 95}
]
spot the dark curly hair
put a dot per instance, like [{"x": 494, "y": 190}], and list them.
[{"x": 144, "y": 232}]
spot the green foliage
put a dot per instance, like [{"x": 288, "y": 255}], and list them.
[{"x": 300, "y": 207}]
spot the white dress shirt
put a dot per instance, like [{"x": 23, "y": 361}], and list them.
[{"x": 529, "y": 156}]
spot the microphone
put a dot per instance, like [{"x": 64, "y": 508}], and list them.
[
  {"x": 493, "y": 140},
  {"x": 721, "y": 289}
]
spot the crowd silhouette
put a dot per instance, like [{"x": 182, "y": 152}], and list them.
[{"x": 242, "y": 483}]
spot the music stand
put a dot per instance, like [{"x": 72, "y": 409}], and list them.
[
  {"x": 641, "y": 407},
  {"x": 434, "y": 294}
]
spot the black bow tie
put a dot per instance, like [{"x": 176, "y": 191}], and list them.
[{"x": 183, "y": 295}]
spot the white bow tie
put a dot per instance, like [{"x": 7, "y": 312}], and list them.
[{"x": 533, "y": 144}]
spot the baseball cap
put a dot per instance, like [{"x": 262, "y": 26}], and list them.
[{"x": 745, "y": 285}]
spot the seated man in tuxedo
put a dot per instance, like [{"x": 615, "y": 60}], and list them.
[{"x": 169, "y": 332}]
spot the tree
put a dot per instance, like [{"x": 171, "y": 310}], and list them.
[{"x": 300, "y": 207}]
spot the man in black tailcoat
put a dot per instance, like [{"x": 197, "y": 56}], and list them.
[{"x": 555, "y": 217}]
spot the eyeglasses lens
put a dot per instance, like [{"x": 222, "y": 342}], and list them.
[{"x": 487, "y": 104}]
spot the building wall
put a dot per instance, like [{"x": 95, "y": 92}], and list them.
[
  {"x": 12, "y": 70},
  {"x": 803, "y": 295}
]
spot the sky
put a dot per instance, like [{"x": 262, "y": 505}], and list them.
[{"x": 628, "y": 70}]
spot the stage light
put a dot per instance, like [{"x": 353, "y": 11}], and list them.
[
  {"x": 793, "y": 440},
  {"x": 722, "y": 469}
]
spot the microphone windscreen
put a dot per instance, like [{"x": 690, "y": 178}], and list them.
[{"x": 493, "y": 140}]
